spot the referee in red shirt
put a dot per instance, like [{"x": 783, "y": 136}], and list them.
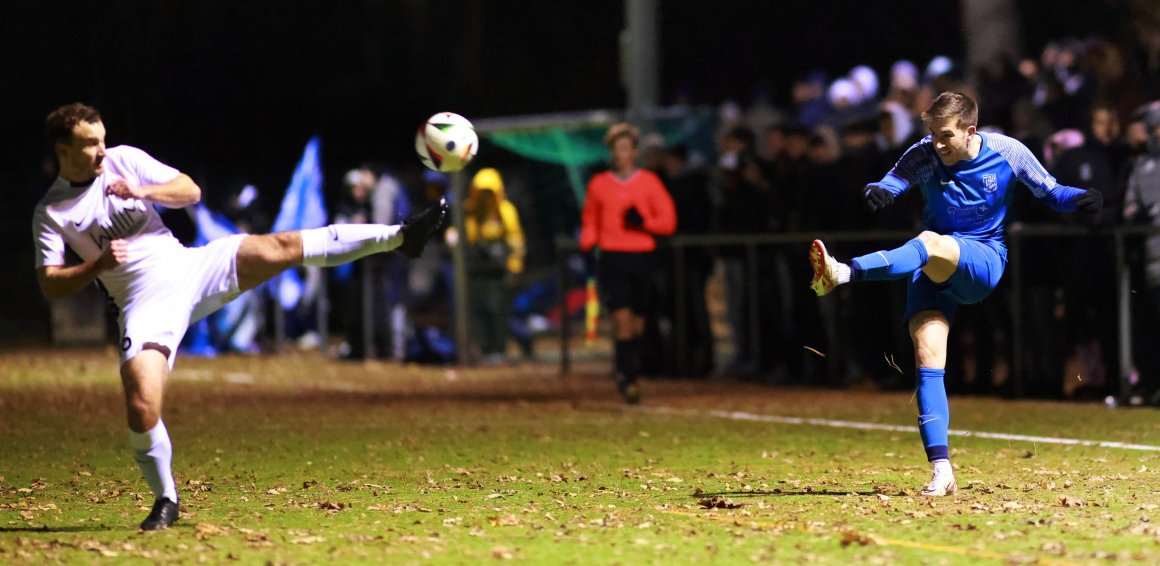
[{"x": 625, "y": 209}]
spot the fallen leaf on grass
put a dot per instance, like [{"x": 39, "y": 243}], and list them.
[
  {"x": 1069, "y": 501},
  {"x": 330, "y": 505},
  {"x": 505, "y": 521},
  {"x": 258, "y": 540},
  {"x": 206, "y": 530},
  {"x": 852, "y": 537},
  {"x": 719, "y": 503},
  {"x": 502, "y": 553},
  {"x": 309, "y": 539}
]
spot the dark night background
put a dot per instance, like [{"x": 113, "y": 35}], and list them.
[{"x": 229, "y": 91}]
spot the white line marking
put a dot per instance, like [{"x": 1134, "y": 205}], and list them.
[{"x": 743, "y": 416}]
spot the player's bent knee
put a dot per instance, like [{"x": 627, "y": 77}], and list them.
[
  {"x": 942, "y": 247},
  {"x": 143, "y": 415}
]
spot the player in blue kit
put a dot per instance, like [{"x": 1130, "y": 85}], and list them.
[{"x": 967, "y": 179}]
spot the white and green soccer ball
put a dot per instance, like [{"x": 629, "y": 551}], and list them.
[{"x": 446, "y": 142}]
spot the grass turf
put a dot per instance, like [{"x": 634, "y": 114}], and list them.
[{"x": 297, "y": 459}]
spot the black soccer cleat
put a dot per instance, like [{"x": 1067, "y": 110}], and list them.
[
  {"x": 419, "y": 228},
  {"x": 163, "y": 515},
  {"x": 629, "y": 390}
]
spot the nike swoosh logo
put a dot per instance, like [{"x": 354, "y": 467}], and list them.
[{"x": 946, "y": 182}]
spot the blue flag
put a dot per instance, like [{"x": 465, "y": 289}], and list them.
[
  {"x": 302, "y": 208},
  {"x": 302, "y": 205}
]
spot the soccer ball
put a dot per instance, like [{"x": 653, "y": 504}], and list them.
[{"x": 446, "y": 142}]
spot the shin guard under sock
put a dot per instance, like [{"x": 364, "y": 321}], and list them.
[
  {"x": 154, "y": 455},
  {"x": 890, "y": 264},
  {"x": 343, "y": 243},
  {"x": 934, "y": 414}
]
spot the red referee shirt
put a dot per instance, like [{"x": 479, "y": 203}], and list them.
[{"x": 609, "y": 197}]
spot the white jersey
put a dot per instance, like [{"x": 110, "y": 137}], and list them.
[{"x": 85, "y": 220}]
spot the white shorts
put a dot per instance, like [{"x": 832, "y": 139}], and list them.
[{"x": 183, "y": 288}]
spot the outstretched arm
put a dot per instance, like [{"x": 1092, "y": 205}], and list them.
[
  {"x": 1031, "y": 172},
  {"x": 179, "y": 192},
  {"x": 912, "y": 168}
]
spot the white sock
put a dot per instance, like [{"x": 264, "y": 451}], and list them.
[
  {"x": 842, "y": 272},
  {"x": 943, "y": 466},
  {"x": 343, "y": 243},
  {"x": 154, "y": 455}
]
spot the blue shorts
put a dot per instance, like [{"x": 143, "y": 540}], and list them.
[{"x": 978, "y": 273}]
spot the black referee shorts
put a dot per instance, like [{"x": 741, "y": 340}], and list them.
[{"x": 626, "y": 280}]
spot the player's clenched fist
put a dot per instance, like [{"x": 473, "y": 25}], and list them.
[
  {"x": 121, "y": 188},
  {"x": 877, "y": 197},
  {"x": 1089, "y": 201},
  {"x": 117, "y": 253}
]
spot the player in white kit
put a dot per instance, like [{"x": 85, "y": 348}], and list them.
[{"x": 101, "y": 207}]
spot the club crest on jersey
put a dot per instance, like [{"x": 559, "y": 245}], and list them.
[{"x": 990, "y": 182}]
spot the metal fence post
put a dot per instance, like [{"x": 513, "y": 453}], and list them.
[
  {"x": 1017, "y": 311},
  {"x": 462, "y": 312},
  {"x": 322, "y": 311},
  {"x": 367, "y": 275},
  {"x": 1124, "y": 298},
  {"x": 680, "y": 325},
  {"x": 753, "y": 305},
  {"x": 562, "y": 289},
  {"x": 279, "y": 324}
]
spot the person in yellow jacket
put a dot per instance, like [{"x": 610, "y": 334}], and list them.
[{"x": 495, "y": 253}]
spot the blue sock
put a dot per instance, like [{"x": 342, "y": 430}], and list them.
[
  {"x": 890, "y": 264},
  {"x": 934, "y": 414}
]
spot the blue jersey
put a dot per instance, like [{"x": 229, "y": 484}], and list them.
[{"x": 970, "y": 198}]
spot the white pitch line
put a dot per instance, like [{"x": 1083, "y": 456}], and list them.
[{"x": 743, "y": 416}]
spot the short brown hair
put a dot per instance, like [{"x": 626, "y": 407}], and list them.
[
  {"x": 953, "y": 105},
  {"x": 619, "y": 130},
  {"x": 59, "y": 124}
]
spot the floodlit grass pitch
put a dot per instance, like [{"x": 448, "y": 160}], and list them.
[{"x": 296, "y": 459}]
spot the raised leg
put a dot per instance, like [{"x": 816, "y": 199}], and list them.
[{"x": 261, "y": 257}]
